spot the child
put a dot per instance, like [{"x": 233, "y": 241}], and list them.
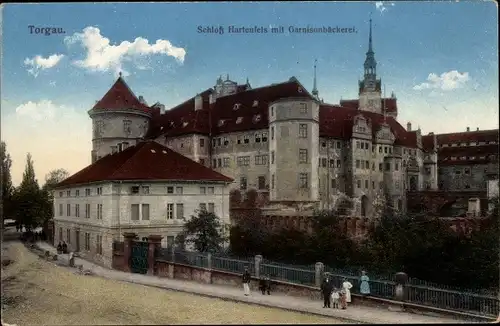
[
  {"x": 343, "y": 299},
  {"x": 335, "y": 298}
]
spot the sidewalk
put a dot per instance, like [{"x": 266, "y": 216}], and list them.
[{"x": 356, "y": 314}]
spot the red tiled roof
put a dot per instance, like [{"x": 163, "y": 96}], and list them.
[
  {"x": 487, "y": 151},
  {"x": 120, "y": 96},
  {"x": 221, "y": 117},
  {"x": 468, "y": 136},
  {"x": 337, "y": 122},
  {"x": 147, "y": 160},
  {"x": 391, "y": 104}
]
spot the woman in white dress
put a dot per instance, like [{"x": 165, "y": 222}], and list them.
[{"x": 347, "y": 288}]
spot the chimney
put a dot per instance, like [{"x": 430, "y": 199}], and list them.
[
  {"x": 198, "y": 103},
  {"x": 408, "y": 126},
  {"x": 141, "y": 99},
  {"x": 477, "y": 129},
  {"x": 468, "y": 129},
  {"x": 212, "y": 98},
  {"x": 162, "y": 108},
  {"x": 431, "y": 133}
]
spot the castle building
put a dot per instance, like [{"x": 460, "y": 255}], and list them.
[{"x": 285, "y": 142}]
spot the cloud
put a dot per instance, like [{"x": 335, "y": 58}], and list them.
[
  {"x": 101, "y": 55},
  {"x": 57, "y": 136},
  {"x": 38, "y": 63},
  {"x": 383, "y": 6},
  {"x": 447, "y": 81}
]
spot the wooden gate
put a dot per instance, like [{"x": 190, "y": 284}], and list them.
[{"x": 139, "y": 257}]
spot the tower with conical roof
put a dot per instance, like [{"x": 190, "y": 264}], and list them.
[
  {"x": 370, "y": 95},
  {"x": 119, "y": 119}
]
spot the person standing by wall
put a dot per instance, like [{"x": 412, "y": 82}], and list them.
[
  {"x": 346, "y": 286},
  {"x": 365, "y": 286},
  {"x": 246, "y": 282}
]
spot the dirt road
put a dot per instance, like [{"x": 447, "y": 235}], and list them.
[{"x": 36, "y": 292}]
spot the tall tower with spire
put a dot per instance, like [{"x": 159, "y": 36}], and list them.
[
  {"x": 315, "y": 92},
  {"x": 370, "y": 95}
]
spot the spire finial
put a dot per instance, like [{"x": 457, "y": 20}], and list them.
[
  {"x": 370, "y": 49},
  {"x": 315, "y": 89}
]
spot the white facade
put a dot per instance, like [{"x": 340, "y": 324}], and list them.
[
  {"x": 492, "y": 191},
  {"x": 90, "y": 217}
]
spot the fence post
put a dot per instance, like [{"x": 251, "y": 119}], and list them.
[
  {"x": 258, "y": 260},
  {"x": 319, "y": 272},
  {"x": 154, "y": 243},
  {"x": 209, "y": 261}
]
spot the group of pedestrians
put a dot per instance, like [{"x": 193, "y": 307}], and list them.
[{"x": 333, "y": 297}]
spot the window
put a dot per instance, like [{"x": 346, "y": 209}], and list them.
[
  {"x": 68, "y": 235},
  {"x": 219, "y": 141},
  {"x": 214, "y": 163},
  {"x": 225, "y": 161},
  {"x": 77, "y": 210},
  {"x": 214, "y": 142},
  {"x": 380, "y": 167},
  {"x": 272, "y": 181},
  {"x": 338, "y": 145},
  {"x": 127, "y": 126},
  {"x": 243, "y": 183},
  {"x": 264, "y": 137},
  {"x": 60, "y": 193},
  {"x": 99, "y": 190},
  {"x": 358, "y": 182},
  {"x": 170, "y": 211},
  {"x": 203, "y": 190},
  {"x": 257, "y": 138},
  {"x": 358, "y": 145},
  {"x": 332, "y": 163},
  {"x": 61, "y": 210},
  {"x": 134, "y": 189},
  {"x": 367, "y": 165},
  {"x": 380, "y": 149},
  {"x": 303, "y": 180},
  {"x": 260, "y": 159},
  {"x": 170, "y": 190},
  {"x": 87, "y": 210},
  {"x": 303, "y": 130},
  {"x": 77, "y": 193},
  {"x": 68, "y": 210},
  {"x": 338, "y": 163},
  {"x": 180, "y": 211},
  {"x": 145, "y": 212},
  {"x": 203, "y": 207},
  {"x": 219, "y": 162},
  {"x": 211, "y": 190},
  {"x": 323, "y": 162},
  {"x": 373, "y": 184},
  {"x": 261, "y": 182},
  {"x": 87, "y": 241},
  {"x": 68, "y": 193},
  {"x": 272, "y": 157},
  {"x": 387, "y": 166},
  {"x": 362, "y": 145},
  {"x": 134, "y": 211},
  {"x": 179, "y": 190},
  {"x": 467, "y": 171},
  {"x": 366, "y": 184},
  {"x": 246, "y": 140},
  {"x": 202, "y": 142},
  {"x": 334, "y": 184},
  {"x": 272, "y": 132},
  {"x": 385, "y": 149},
  {"x": 99, "y": 244},
  {"x": 367, "y": 146},
  {"x": 60, "y": 234},
  {"x": 272, "y": 111},
  {"x": 211, "y": 207},
  {"x": 145, "y": 190},
  {"x": 362, "y": 164},
  {"x": 396, "y": 166},
  {"x": 427, "y": 170},
  {"x": 357, "y": 164},
  {"x": 302, "y": 155},
  {"x": 373, "y": 166},
  {"x": 243, "y": 160},
  {"x": 323, "y": 144},
  {"x": 303, "y": 108},
  {"x": 238, "y": 140},
  {"x": 99, "y": 211}
]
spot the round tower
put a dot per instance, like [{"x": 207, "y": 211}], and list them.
[
  {"x": 119, "y": 119},
  {"x": 294, "y": 149}
]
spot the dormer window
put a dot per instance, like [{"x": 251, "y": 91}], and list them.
[
  {"x": 184, "y": 124},
  {"x": 114, "y": 149},
  {"x": 246, "y": 140},
  {"x": 239, "y": 120},
  {"x": 255, "y": 103},
  {"x": 171, "y": 123},
  {"x": 226, "y": 141},
  {"x": 299, "y": 89},
  {"x": 127, "y": 126},
  {"x": 264, "y": 137},
  {"x": 256, "y": 118},
  {"x": 236, "y": 106},
  {"x": 221, "y": 123}
]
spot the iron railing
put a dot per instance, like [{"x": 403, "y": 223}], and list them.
[{"x": 417, "y": 291}]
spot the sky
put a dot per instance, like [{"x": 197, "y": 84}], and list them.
[{"x": 439, "y": 58}]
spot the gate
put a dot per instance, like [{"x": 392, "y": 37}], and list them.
[{"x": 139, "y": 257}]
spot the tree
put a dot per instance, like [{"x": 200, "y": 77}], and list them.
[
  {"x": 54, "y": 177},
  {"x": 51, "y": 179},
  {"x": 6, "y": 180},
  {"x": 205, "y": 231},
  {"x": 29, "y": 201}
]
